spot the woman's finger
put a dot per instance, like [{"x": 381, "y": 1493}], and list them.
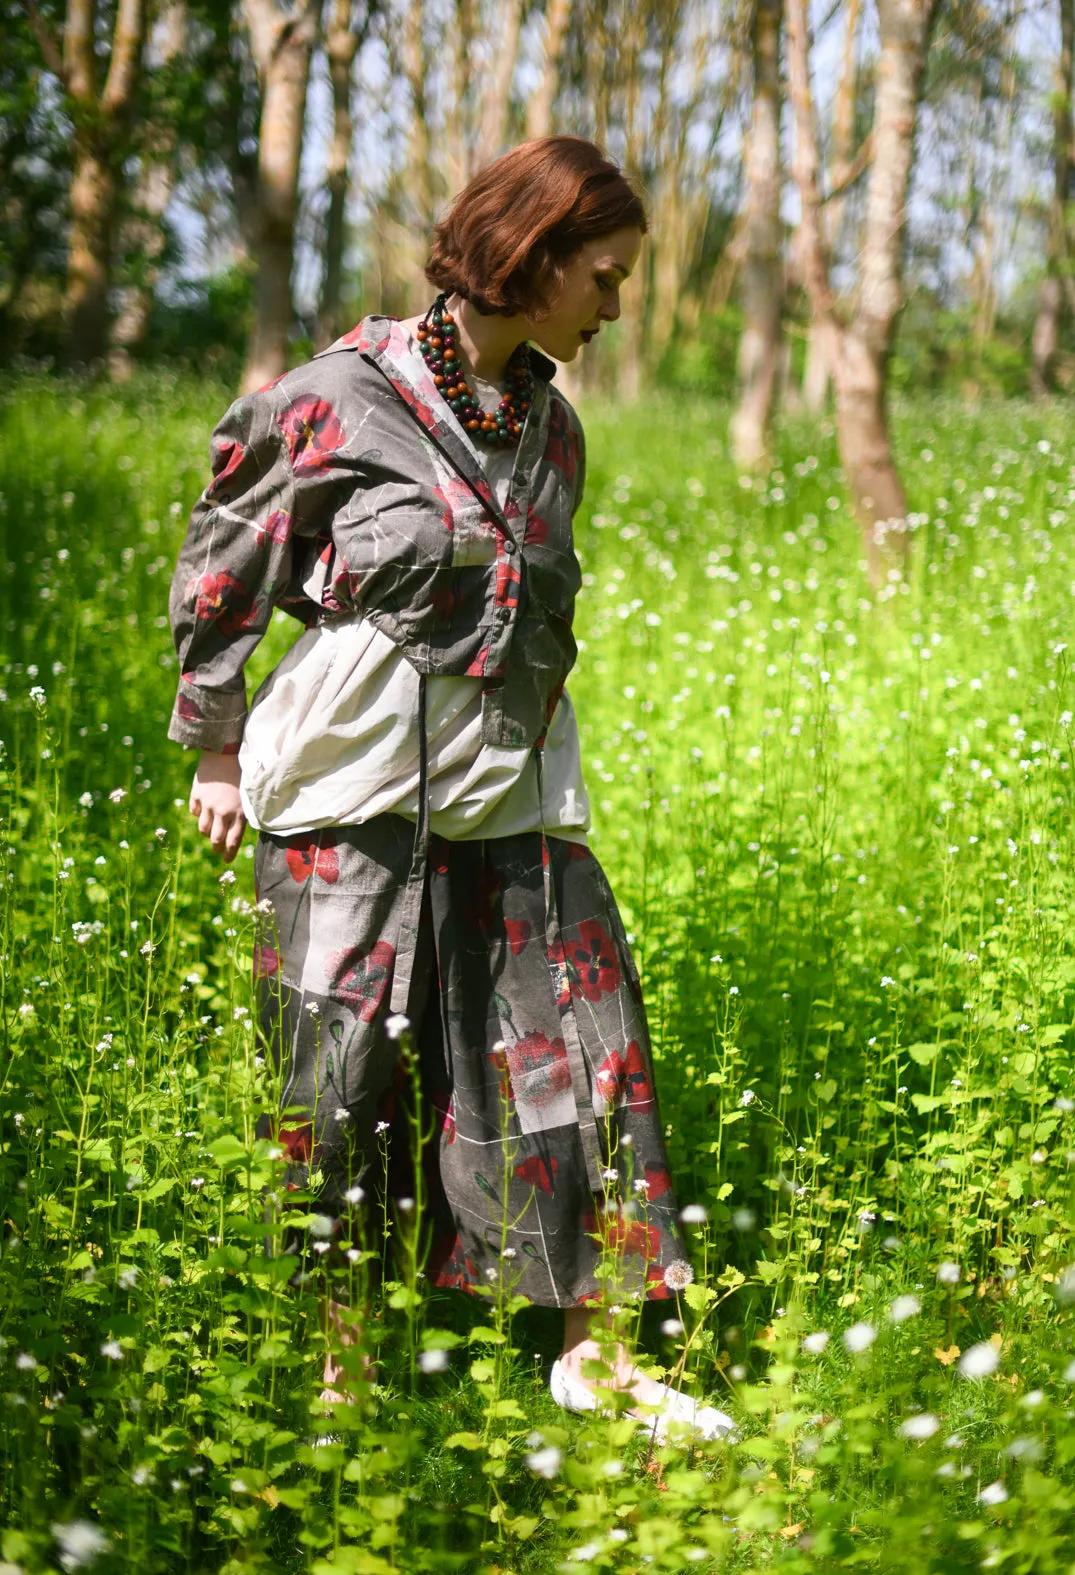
[
  {"x": 205, "y": 820},
  {"x": 235, "y": 835}
]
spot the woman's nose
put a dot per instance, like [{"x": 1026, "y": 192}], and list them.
[{"x": 610, "y": 313}]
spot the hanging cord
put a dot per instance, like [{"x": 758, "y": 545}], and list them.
[
  {"x": 410, "y": 920},
  {"x": 576, "y": 1059}
]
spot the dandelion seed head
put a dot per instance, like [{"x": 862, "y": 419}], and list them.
[
  {"x": 859, "y": 1337},
  {"x": 434, "y": 1361},
  {"x": 904, "y": 1307},
  {"x": 924, "y": 1425},
  {"x": 814, "y": 1344},
  {"x": 679, "y": 1275},
  {"x": 545, "y": 1462}
]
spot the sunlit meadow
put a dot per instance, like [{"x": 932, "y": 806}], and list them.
[{"x": 839, "y": 823}]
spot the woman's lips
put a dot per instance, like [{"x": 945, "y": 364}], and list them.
[{"x": 589, "y": 333}]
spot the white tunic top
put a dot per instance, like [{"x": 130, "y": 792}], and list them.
[{"x": 332, "y": 737}]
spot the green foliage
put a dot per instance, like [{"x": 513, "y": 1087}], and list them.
[
  {"x": 204, "y": 323},
  {"x": 839, "y": 825}
]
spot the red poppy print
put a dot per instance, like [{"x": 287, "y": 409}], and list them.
[
  {"x": 444, "y": 600},
  {"x": 539, "y": 1172},
  {"x": 518, "y": 933},
  {"x": 224, "y": 599},
  {"x": 361, "y": 978},
  {"x": 421, "y": 410},
  {"x": 537, "y": 529},
  {"x": 314, "y": 858},
  {"x": 508, "y": 578},
  {"x": 622, "y": 1077},
  {"x": 592, "y": 961},
  {"x": 297, "y": 1143},
  {"x": 629, "y": 1237},
  {"x": 577, "y": 851},
  {"x": 477, "y": 666},
  {"x": 449, "y": 1266},
  {"x": 226, "y": 461},
  {"x": 277, "y": 528},
  {"x": 266, "y": 961},
  {"x": 187, "y": 707},
  {"x": 562, "y": 444},
  {"x": 658, "y": 1288},
  {"x": 658, "y": 1182},
  {"x": 539, "y": 1069},
  {"x": 265, "y": 387},
  {"x": 355, "y": 338},
  {"x": 453, "y": 493},
  {"x": 311, "y": 431}
]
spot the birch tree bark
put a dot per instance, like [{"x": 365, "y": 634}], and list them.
[
  {"x": 341, "y": 46},
  {"x": 1046, "y": 334},
  {"x": 282, "y": 45},
  {"x": 859, "y": 349},
  {"x": 761, "y": 277},
  {"x": 143, "y": 237},
  {"x": 100, "y": 120}
]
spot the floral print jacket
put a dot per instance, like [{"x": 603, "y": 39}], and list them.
[{"x": 348, "y": 486}]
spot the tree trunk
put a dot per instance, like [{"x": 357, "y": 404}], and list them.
[
  {"x": 341, "y": 46},
  {"x": 507, "y": 25},
  {"x": 539, "y": 113},
  {"x": 1046, "y": 336},
  {"x": 282, "y": 49},
  {"x": 816, "y": 371},
  {"x": 860, "y": 371},
  {"x": 762, "y": 272},
  {"x": 100, "y": 124},
  {"x": 143, "y": 236},
  {"x": 858, "y": 352}
]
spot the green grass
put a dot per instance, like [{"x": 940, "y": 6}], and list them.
[{"x": 839, "y": 825}]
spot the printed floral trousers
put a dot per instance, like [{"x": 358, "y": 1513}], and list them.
[{"x": 547, "y": 1167}]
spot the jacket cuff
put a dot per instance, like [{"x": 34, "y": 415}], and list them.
[{"x": 202, "y": 719}]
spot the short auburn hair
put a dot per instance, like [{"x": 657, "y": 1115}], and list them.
[{"x": 505, "y": 241}]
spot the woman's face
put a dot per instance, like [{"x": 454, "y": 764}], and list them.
[{"x": 590, "y": 294}]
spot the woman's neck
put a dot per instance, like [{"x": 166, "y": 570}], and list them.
[{"x": 487, "y": 343}]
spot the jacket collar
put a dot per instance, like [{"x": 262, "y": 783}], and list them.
[{"x": 383, "y": 342}]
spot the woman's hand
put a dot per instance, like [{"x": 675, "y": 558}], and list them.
[{"x": 214, "y": 798}]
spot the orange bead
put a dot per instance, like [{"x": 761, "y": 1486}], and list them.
[
  {"x": 473, "y": 426},
  {"x": 449, "y": 355}
]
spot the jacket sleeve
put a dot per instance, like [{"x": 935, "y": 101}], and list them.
[
  {"x": 235, "y": 559},
  {"x": 580, "y": 469}
]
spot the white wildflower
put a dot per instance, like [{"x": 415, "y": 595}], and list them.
[
  {"x": 117, "y": 795},
  {"x": 814, "y": 1344},
  {"x": 25, "y": 1362},
  {"x": 322, "y": 1225},
  {"x": 859, "y": 1337},
  {"x": 671, "y": 1328},
  {"x": 435, "y": 1361},
  {"x": 693, "y": 1214},
  {"x": 127, "y": 1276},
  {"x": 747, "y": 1097},
  {"x": 80, "y": 1542},
  {"x": 978, "y": 1361},
  {"x": 904, "y": 1307},
  {"x": 948, "y": 1272},
  {"x": 113, "y": 1350},
  {"x": 924, "y": 1425},
  {"x": 354, "y": 1195},
  {"x": 397, "y": 1025},
  {"x": 545, "y": 1462},
  {"x": 995, "y": 1493}
]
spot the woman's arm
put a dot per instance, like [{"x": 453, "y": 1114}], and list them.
[{"x": 236, "y": 555}]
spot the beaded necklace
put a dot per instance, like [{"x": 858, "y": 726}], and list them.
[{"x": 438, "y": 340}]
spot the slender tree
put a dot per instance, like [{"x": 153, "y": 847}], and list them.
[
  {"x": 858, "y": 349},
  {"x": 815, "y": 385},
  {"x": 1046, "y": 335},
  {"x": 282, "y": 44},
  {"x": 540, "y": 108},
  {"x": 100, "y": 117},
  {"x": 343, "y": 39},
  {"x": 142, "y": 235},
  {"x": 762, "y": 272}
]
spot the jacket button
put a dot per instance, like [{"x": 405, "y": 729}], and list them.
[
  {"x": 504, "y": 613},
  {"x": 509, "y": 545}
]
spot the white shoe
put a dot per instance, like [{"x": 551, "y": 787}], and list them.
[{"x": 674, "y": 1415}]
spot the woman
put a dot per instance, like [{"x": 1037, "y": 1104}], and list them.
[{"x": 412, "y": 764}]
